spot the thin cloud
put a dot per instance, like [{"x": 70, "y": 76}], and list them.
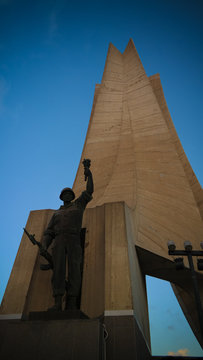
[
  {"x": 180, "y": 352},
  {"x": 52, "y": 29},
  {"x": 53, "y": 26},
  {"x": 14, "y": 112},
  {"x": 54, "y": 19}
]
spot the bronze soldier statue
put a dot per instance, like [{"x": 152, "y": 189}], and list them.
[{"x": 63, "y": 232}]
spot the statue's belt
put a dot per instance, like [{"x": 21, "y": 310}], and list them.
[{"x": 68, "y": 232}]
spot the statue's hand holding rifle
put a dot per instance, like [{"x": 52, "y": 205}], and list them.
[{"x": 43, "y": 251}]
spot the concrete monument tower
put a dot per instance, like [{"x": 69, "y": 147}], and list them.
[{"x": 146, "y": 194}]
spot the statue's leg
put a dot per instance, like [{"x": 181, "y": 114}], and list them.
[
  {"x": 74, "y": 274},
  {"x": 59, "y": 273}
]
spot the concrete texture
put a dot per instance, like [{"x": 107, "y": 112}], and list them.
[
  {"x": 125, "y": 340},
  {"x": 50, "y": 340},
  {"x": 17, "y": 291},
  {"x": 137, "y": 158}
]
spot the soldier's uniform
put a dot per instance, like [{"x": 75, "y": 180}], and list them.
[{"x": 64, "y": 232}]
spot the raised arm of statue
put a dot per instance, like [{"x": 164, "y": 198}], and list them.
[
  {"x": 90, "y": 184},
  {"x": 88, "y": 176}
]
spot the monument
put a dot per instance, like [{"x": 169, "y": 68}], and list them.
[{"x": 146, "y": 194}]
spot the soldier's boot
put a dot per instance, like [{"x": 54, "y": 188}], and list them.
[
  {"x": 58, "y": 304},
  {"x": 71, "y": 303}
]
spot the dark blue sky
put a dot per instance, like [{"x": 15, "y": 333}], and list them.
[{"x": 52, "y": 53}]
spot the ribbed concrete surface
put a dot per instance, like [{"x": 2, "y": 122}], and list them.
[{"x": 137, "y": 158}]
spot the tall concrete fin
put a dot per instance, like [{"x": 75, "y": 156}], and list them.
[
  {"x": 137, "y": 157},
  {"x": 192, "y": 179},
  {"x": 104, "y": 132}
]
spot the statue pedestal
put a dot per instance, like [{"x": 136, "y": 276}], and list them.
[
  {"x": 61, "y": 339},
  {"x": 56, "y": 315}
]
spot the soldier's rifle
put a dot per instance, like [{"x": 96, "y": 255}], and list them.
[{"x": 43, "y": 252}]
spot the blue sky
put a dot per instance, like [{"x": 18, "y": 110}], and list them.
[{"x": 52, "y": 53}]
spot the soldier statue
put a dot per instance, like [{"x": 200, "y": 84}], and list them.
[{"x": 63, "y": 232}]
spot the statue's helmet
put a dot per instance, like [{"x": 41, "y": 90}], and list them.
[{"x": 67, "y": 189}]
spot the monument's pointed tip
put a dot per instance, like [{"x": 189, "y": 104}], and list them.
[
  {"x": 113, "y": 47},
  {"x": 131, "y": 41},
  {"x": 130, "y": 44}
]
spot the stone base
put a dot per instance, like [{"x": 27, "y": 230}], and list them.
[
  {"x": 56, "y": 315},
  {"x": 74, "y": 339},
  {"x": 68, "y": 339},
  {"x": 125, "y": 340}
]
